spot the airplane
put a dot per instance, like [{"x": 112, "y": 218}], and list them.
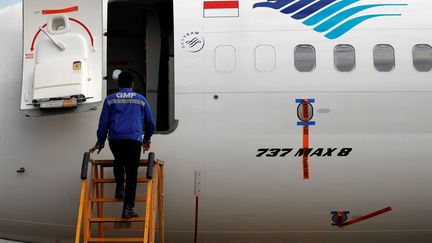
[{"x": 289, "y": 120}]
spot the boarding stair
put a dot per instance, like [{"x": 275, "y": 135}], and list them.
[{"x": 92, "y": 197}]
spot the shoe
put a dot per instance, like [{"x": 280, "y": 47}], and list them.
[
  {"x": 128, "y": 212},
  {"x": 119, "y": 193}
]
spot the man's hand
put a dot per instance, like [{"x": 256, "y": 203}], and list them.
[
  {"x": 146, "y": 147},
  {"x": 97, "y": 147}
]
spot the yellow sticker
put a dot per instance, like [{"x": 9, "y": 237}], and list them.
[{"x": 77, "y": 66}]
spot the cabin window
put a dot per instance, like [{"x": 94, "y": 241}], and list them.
[
  {"x": 384, "y": 58},
  {"x": 265, "y": 58},
  {"x": 305, "y": 58},
  {"x": 140, "y": 40},
  {"x": 225, "y": 59},
  {"x": 422, "y": 57},
  {"x": 344, "y": 58}
]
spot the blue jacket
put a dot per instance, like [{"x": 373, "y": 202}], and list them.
[{"x": 124, "y": 116}]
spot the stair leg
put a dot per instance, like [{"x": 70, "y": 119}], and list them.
[
  {"x": 161, "y": 204},
  {"x": 102, "y": 187},
  {"x": 148, "y": 211},
  {"x": 80, "y": 210},
  {"x": 102, "y": 195},
  {"x": 154, "y": 205},
  {"x": 89, "y": 213},
  {"x": 99, "y": 204}
]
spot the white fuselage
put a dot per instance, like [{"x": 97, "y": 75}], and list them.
[{"x": 248, "y": 63}]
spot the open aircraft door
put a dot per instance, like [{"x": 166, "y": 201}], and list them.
[{"x": 63, "y": 56}]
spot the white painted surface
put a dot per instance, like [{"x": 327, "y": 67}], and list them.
[
  {"x": 265, "y": 58},
  {"x": 220, "y": 13},
  {"x": 384, "y": 117},
  {"x": 55, "y": 74},
  {"x": 225, "y": 59},
  {"x": 76, "y": 39}
]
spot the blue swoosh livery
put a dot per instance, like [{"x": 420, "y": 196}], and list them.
[
  {"x": 332, "y": 17},
  {"x": 312, "y": 9}
]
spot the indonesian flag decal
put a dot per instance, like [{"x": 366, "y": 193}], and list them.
[{"x": 215, "y": 9}]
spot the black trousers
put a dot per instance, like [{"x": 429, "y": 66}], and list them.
[{"x": 127, "y": 155}]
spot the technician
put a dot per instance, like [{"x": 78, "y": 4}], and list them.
[{"x": 124, "y": 116}]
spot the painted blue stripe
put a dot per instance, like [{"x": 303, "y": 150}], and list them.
[
  {"x": 296, "y": 6},
  {"x": 336, "y": 212},
  {"x": 273, "y": 4},
  {"x": 301, "y": 100},
  {"x": 328, "y": 12},
  {"x": 312, "y": 9},
  {"x": 347, "y": 26},
  {"x": 312, "y": 123},
  {"x": 338, "y": 18}
]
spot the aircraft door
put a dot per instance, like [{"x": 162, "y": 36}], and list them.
[{"x": 62, "y": 56}]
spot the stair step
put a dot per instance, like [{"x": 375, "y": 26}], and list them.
[
  {"x": 138, "y": 199},
  {"x": 124, "y": 227},
  {"x": 117, "y": 220},
  {"x": 115, "y": 240},
  {"x": 140, "y": 180},
  {"x": 109, "y": 163}
]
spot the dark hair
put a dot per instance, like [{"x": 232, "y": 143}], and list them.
[{"x": 125, "y": 80}]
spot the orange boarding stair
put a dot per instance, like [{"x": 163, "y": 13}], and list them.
[{"x": 93, "y": 195}]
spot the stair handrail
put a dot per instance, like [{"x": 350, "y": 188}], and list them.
[{"x": 151, "y": 160}]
